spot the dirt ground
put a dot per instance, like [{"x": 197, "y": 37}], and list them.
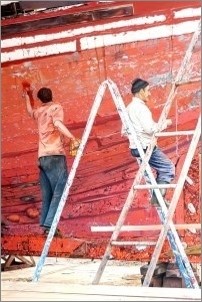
[{"x": 80, "y": 271}]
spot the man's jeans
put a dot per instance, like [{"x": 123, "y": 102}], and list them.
[
  {"x": 53, "y": 178},
  {"x": 165, "y": 169}
]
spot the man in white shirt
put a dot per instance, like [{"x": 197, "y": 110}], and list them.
[{"x": 144, "y": 125}]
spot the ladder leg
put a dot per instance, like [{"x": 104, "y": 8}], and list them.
[
  {"x": 172, "y": 235},
  {"x": 181, "y": 258},
  {"x": 144, "y": 166},
  {"x": 115, "y": 234},
  {"x": 103, "y": 264},
  {"x": 171, "y": 210},
  {"x": 70, "y": 179}
]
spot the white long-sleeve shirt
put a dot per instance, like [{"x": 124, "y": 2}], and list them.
[{"x": 143, "y": 123}]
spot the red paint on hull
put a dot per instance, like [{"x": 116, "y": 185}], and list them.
[{"x": 107, "y": 170}]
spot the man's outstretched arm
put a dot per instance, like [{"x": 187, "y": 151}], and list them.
[
  {"x": 63, "y": 129},
  {"x": 29, "y": 101}
]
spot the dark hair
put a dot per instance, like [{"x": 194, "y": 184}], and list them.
[
  {"x": 138, "y": 84},
  {"x": 45, "y": 95}
]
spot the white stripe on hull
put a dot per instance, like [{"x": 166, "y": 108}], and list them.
[{"x": 97, "y": 41}]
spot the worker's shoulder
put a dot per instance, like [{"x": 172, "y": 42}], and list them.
[
  {"x": 134, "y": 105},
  {"x": 55, "y": 106}
]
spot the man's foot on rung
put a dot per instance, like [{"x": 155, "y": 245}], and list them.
[
  {"x": 155, "y": 203},
  {"x": 167, "y": 203}
]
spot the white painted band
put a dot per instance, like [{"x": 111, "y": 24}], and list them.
[
  {"x": 157, "y": 32},
  {"x": 94, "y": 42},
  {"x": 20, "y": 41},
  {"x": 188, "y": 12},
  {"x": 41, "y": 51}
]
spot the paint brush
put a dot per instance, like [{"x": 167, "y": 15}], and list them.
[{"x": 27, "y": 87}]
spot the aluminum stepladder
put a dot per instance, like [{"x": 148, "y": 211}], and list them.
[
  {"x": 165, "y": 216},
  {"x": 85, "y": 136},
  {"x": 72, "y": 173},
  {"x": 176, "y": 245},
  {"x": 70, "y": 179}
]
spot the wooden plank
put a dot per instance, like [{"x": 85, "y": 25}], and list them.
[
  {"x": 9, "y": 261},
  {"x": 71, "y": 280},
  {"x": 173, "y": 282},
  {"x": 189, "y": 81},
  {"x": 11, "y": 264},
  {"x": 157, "y": 186},
  {"x": 151, "y": 227},
  {"x": 174, "y": 133},
  {"x": 101, "y": 292},
  {"x": 159, "y": 270},
  {"x": 121, "y": 243},
  {"x": 86, "y": 297}
]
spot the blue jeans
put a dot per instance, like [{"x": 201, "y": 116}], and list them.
[
  {"x": 165, "y": 169},
  {"x": 53, "y": 177}
]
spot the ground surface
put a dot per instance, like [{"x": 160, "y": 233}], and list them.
[{"x": 71, "y": 280}]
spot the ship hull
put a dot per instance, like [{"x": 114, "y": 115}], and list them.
[{"x": 73, "y": 60}]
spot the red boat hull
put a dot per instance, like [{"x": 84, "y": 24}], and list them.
[{"x": 107, "y": 170}]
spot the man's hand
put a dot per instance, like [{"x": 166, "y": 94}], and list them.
[
  {"x": 26, "y": 87},
  {"x": 28, "y": 91},
  {"x": 169, "y": 122},
  {"x": 28, "y": 95},
  {"x": 75, "y": 142},
  {"x": 166, "y": 124},
  {"x": 74, "y": 145}
]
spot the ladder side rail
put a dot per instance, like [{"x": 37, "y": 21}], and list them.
[
  {"x": 131, "y": 195},
  {"x": 180, "y": 255},
  {"x": 172, "y": 236},
  {"x": 173, "y": 204},
  {"x": 195, "y": 37},
  {"x": 164, "y": 114},
  {"x": 70, "y": 179},
  {"x": 161, "y": 120},
  {"x": 171, "y": 96},
  {"x": 169, "y": 101},
  {"x": 127, "y": 124},
  {"x": 180, "y": 74},
  {"x": 66, "y": 191},
  {"x": 174, "y": 241},
  {"x": 129, "y": 127},
  {"x": 176, "y": 245},
  {"x": 146, "y": 158}
]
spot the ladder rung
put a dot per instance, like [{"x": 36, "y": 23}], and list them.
[
  {"x": 120, "y": 243},
  {"x": 174, "y": 133},
  {"x": 158, "y": 186},
  {"x": 189, "y": 180},
  {"x": 174, "y": 240},
  {"x": 188, "y": 81},
  {"x": 153, "y": 227}
]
